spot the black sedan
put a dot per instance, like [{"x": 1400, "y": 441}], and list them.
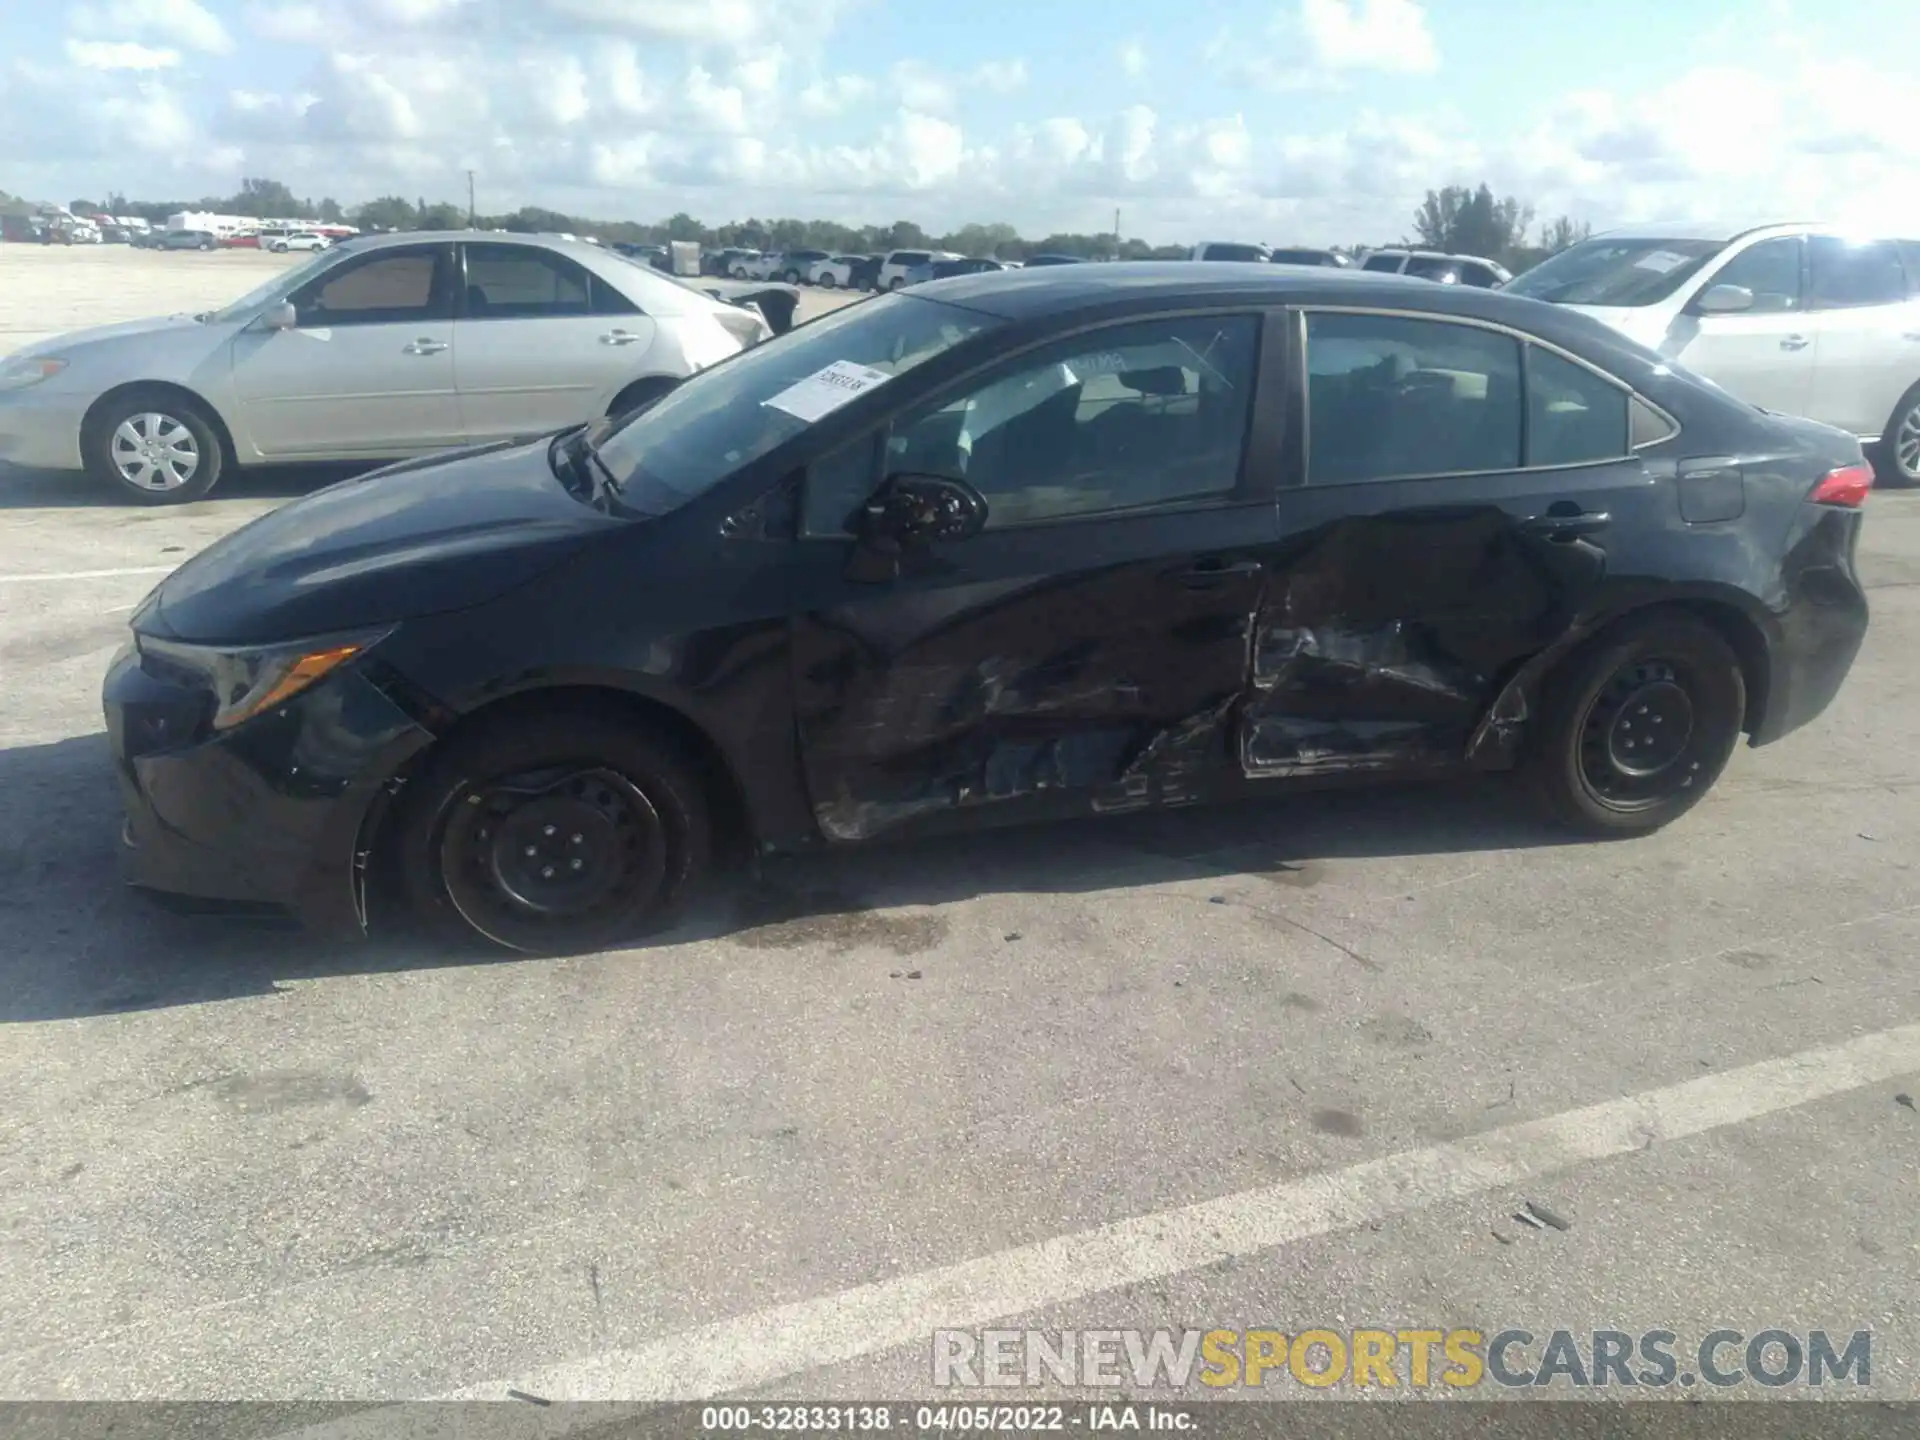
[{"x": 1045, "y": 543}]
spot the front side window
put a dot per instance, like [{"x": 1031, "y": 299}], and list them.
[
  {"x": 721, "y": 419},
  {"x": 1125, "y": 418},
  {"x": 1843, "y": 274},
  {"x": 386, "y": 287},
  {"x": 1391, "y": 397},
  {"x": 1771, "y": 270},
  {"x": 1574, "y": 416},
  {"x": 1383, "y": 262},
  {"x": 1242, "y": 253}
]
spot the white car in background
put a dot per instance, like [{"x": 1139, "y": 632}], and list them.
[
  {"x": 893, "y": 269},
  {"x": 1800, "y": 319},
  {"x": 834, "y": 273},
  {"x": 298, "y": 240},
  {"x": 393, "y": 346}
]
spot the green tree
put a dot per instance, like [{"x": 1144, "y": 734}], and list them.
[
  {"x": 682, "y": 226},
  {"x": 389, "y": 212},
  {"x": 329, "y": 211},
  {"x": 1564, "y": 234},
  {"x": 264, "y": 200},
  {"x": 443, "y": 215},
  {"x": 1472, "y": 222}
]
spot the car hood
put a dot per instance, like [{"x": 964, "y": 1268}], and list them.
[
  {"x": 128, "y": 329},
  {"x": 418, "y": 538}
]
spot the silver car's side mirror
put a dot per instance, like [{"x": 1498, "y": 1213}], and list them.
[
  {"x": 280, "y": 317},
  {"x": 1724, "y": 300}
]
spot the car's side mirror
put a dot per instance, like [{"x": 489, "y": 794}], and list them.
[
  {"x": 1724, "y": 300},
  {"x": 280, "y": 317},
  {"x": 915, "y": 510}
]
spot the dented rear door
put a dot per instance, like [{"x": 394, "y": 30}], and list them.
[{"x": 1467, "y": 495}]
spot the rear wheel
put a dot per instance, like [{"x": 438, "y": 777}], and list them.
[
  {"x": 792, "y": 277},
  {"x": 549, "y": 832},
  {"x": 895, "y": 283},
  {"x": 1900, "y": 442},
  {"x": 826, "y": 280},
  {"x": 152, "y": 446},
  {"x": 1638, "y": 725}
]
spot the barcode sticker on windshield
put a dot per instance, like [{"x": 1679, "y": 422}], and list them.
[
  {"x": 1659, "y": 261},
  {"x": 825, "y": 391}
]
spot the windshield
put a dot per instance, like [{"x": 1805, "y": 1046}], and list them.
[
  {"x": 282, "y": 283},
  {"x": 1615, "y": 271},
  {"x": 720, "y": 420}
]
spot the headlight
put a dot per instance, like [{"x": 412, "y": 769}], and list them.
[
  {"x": 19, "y": 374},
  {"x": 247, "y": 681}
]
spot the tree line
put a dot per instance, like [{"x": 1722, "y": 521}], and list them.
[{"x": 1458, "y": 219}]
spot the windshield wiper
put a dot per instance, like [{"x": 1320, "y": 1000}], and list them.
[{"x": 574, "y": 460}]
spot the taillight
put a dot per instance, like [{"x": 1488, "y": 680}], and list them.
[{"x": 1848, "y": 486}]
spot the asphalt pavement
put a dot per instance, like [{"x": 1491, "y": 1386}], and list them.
[{"x": 1297, "y": 1064}]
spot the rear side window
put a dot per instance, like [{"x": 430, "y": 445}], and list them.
[
  {"x": 1574, "y": 416},
  {"x": 1390, "y": 398},
  {"x": 520, "y": 282},
  {"x": 1241, "y": 253},
  {"x": 1843, "y": 274},
  {"x": 1429, "y": 267},
  {"x": 1481, "y": 277},
  {"x": 1382, "y": 262}
]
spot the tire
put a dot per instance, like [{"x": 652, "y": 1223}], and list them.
[
  {"x": 279, "y": 249},
  {"x": 206, "y": 245},
  {"x": 521, "y": 783},
  {"x": 792, "y": 277},
  {"x": 641, "y": 392},
  {"x": 1899, "y": 457},
  {"x": 1665, "y": 671},
  {"x": 826, "y": 281},
  {"x": 898, "y": 282},
  {"x": 138, "y": 443}
]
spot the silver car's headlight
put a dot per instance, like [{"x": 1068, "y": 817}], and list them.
[
  {"x": 19, "y": 374},
  {"x": 246, "y": 681}
]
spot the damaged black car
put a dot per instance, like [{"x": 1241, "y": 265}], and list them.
[{"x": 1001, "y": 547}]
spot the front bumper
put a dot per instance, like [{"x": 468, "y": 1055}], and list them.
[
  {"x": 267, "y": 815},
  {"x": 40, "y": 429}
]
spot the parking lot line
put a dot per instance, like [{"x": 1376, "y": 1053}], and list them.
[
  {"x": 51, "y": 575},
  {"x": 774, "y": 1344}
]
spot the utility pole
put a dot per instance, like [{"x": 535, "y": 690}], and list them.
[
  {"x": 1116, "y": 232},
  {"x": 470, "y": 199}
]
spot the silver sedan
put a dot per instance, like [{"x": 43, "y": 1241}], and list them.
[{"x": 378, "y": 349}]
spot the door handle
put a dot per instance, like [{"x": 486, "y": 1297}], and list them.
[
  {"x": 619, "y": 337},
  {"x": 424, "y": 346},
  {"x": 1794, "y": 342},
  {"x": 1213, "y": 570},
  {"x": 1577, "y": 522}
]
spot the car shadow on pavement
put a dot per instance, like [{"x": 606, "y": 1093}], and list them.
[
  {"x": 75, "y": 941},
  {"x": 70, "y": 490}
]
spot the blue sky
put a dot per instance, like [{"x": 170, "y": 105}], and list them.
[{"x": 1289, "y": 120}]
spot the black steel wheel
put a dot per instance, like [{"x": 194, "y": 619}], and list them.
[
  {"x": 1638, "y": 725},
  {"x": 550, "y": 833}
]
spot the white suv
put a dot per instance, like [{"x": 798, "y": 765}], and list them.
[
  {"x": 1800, "y": 319},
  {"x": 893, "y": 270}
]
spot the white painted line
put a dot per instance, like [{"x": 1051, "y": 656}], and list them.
[
  {"x": 88, "y": 574},
  {"x": 757, "y": 1349}
]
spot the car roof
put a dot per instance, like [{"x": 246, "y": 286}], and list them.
[
  {"x": 1720, "y": 231},
  {"x": 1159, "y": 284}
]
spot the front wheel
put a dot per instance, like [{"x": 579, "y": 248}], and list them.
[
  {"x": 155, "y": 448},
  {"x": 553, "y": 832},
  {"x": 826, "y": 280},
  {"x": 280, "y": 248},
  {"x": 896, "y": 283},
  {"x": 1636, "y": 728}
]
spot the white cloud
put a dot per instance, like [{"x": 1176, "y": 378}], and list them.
[
  {"x": 1003, "y": 77},
  {"x": 1133, "y": 58},
  {"x": 713, "y": 105},
  {"x": 920, "y": 88},
  {"x": 833, "y": 95},
  {"x": 1390, "y": 35},
  {"x": 299, "y": 23},
  {"x": 119, "y": 55},
  {"x": 185, "y": 23}
]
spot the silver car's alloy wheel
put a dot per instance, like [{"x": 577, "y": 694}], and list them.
[
  {"x": 1906, "y": 444},
  {"x": 155, "y": 452}
]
